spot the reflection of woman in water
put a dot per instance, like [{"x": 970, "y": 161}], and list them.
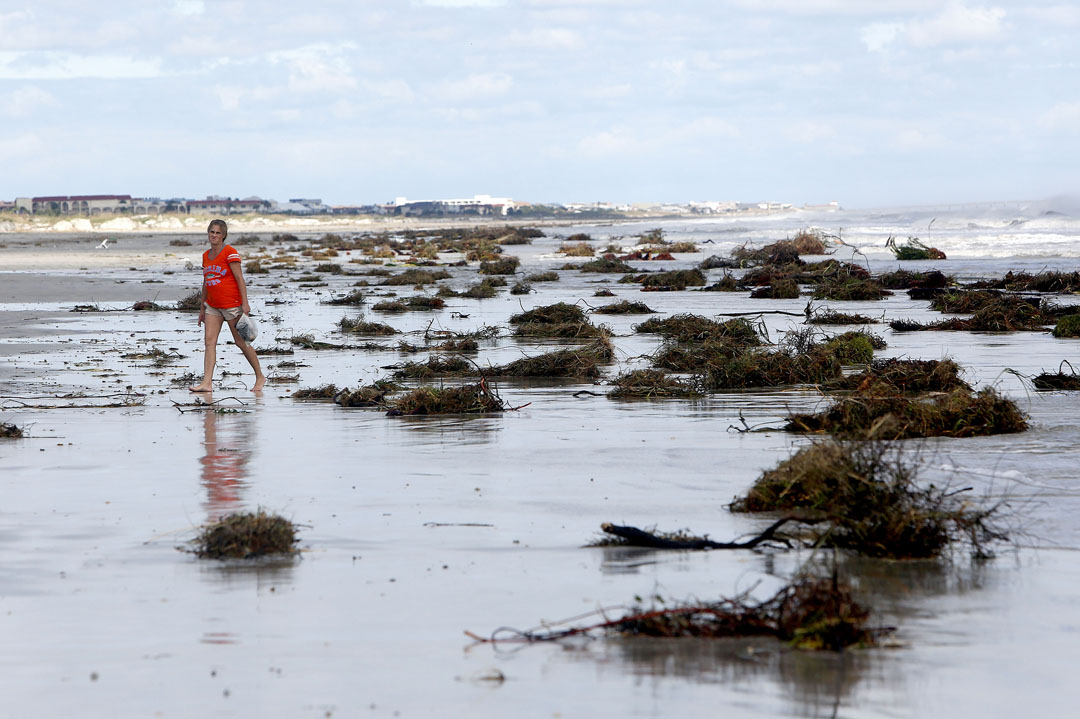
[
  {"x": 224, "y": 463},
  {"x": 224, "y": 299}
]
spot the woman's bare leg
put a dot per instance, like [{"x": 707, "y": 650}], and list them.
[
  {"x": 211, "y": 329},
  {"x": 250, "y": 356}
]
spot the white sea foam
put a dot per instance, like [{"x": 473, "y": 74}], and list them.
[{"x": 991, "y": 232}]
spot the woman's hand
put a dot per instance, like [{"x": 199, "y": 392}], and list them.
[
  {"x": 245, "y": 308},
  {"x": 202, "y": 316}
]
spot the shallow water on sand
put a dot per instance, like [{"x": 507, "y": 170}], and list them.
[{"x": 418, "y": 529}]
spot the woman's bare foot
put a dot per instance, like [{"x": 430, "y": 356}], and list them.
[
  {"x": 260, "y": 381},
  {"x": 200, "y": 388}
]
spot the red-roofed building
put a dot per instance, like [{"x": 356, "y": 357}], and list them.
[
  {"x": 77, "y": 204},
  {"x": 89, "y": 205}
]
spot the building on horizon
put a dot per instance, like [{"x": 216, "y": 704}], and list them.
[
  {"x": 214, "y": 204},
  {"x": 93, "y": 205},
  {"x": 476, "y": 205}
]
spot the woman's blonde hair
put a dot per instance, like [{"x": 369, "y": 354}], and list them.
[{"x": 222, "y": 225}]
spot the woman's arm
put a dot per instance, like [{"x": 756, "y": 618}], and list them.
[
  {"x": 202, "y": 301},
  {"x": 238, "y": 273}
]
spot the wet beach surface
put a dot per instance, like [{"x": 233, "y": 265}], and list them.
[{"x": 416, "y": 529}]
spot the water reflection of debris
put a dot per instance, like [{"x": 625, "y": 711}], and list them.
[{"x": 810, "y": 684}]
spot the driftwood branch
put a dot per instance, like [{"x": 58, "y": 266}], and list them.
[
  {"x": 640, "y": 538},
  {"x": 760, "y": 312}
]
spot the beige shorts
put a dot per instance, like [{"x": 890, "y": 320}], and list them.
[{"x": 229, "y": 313}]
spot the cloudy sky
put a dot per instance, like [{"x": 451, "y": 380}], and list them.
[{"x": 871, "y": 103}]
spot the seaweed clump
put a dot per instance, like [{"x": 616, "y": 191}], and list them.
[
  {"x": 556, "y": 320},
  {"x": 970, "y": 301},
  {"x": 1055, "y": 380},
  {"x": 580, "y": 362},
  {"x": 476, "y": 398},
  {"x": 695, "y": 328},
  {"x": 856, "y": 347},
  {"x": 354, "y": 299},
  {"x": 246, "y": 536},
  {"x": 913, "y": 249},
  {"x": 500, "y": 266},
  {"x": 959, "y": 413},
  {"x": 361, "y": 326},
  {"x": 906, "y": 280},
  {"x": 326, "y": 391},
  {"x": 832, "y": 317},
  {"x": 148, "y": 306},
  {"x": 416, "y": 303},
  {"x": 781, "y": 253},
  {"x": 192, "y": 302},
  {"x": 625, "y": 307},
  {"x": 810, "y": 613},
  {"x": 847, "y": 287},
  {"x": 558, "y": 313},
  {"x": 668, "y": 281},
  {"x": 415, "y": 276},
  {"x": 863, "y": 496},
  {"x": 1047, "y": 380},
  {"x": 727, "y": 283},
  {"x": 9, "y": 430},
  {"x": 809, "y": 242},
  {"x": 652, "y": 384},
  {"x": 608, "y": 265},
  {"x": 772, "y": 369},
  {"x": 1049, "y": 281},
  {"x": 1068, "y": 326},
  {"x": 895, "y": 375},
  {"x": 1003, "y": 314},
  {"x": 778, "y": 289},
  {"x": 435, "y": 366},
  {"x": 576, "y": 249},
  {"x": 372, "y": 395}
]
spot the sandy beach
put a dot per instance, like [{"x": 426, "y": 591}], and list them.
[{"x": 415, "y": 530}]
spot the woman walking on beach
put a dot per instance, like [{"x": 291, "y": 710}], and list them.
[{"x": 224, "y": 299}]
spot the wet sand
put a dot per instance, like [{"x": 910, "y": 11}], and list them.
[{"x": 417, "y": 529}]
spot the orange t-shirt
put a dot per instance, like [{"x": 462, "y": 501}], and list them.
[{"x": 222, "y": 292}]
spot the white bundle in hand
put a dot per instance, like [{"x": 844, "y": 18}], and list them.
[{"x": 246, "y": 328}]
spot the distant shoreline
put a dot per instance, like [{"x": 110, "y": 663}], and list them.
[{"x": 176, "y": 224}]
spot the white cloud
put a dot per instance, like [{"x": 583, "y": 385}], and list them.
[
  {"x": 879, "y": 36},
  {"x": 317, "y": 68},
  {"x": 808, "y": 132},
  {"x": 232, "y": 98},
  {"x": 914, "y": 139},
  {"x": 1062, "y": 116},
  {"x": 616, "y": 141},
  {"x": 24, "y": 147},
  {"x": 1057, "y": 15},
  {"x": 65, "y": 66},
  {"x": 393, "y": 90},
  {"x": 10, "y": 21},
  {"x": 545, "y": 39},
  {"x": 189, "y": 7},
  {"x": 836, "y": 7},
  {"x": 673, "y": 73},
  {"x": 705, "y": 128},
  {"x": 477, "y": 86},
  {"x": 512, "y": 111},
  {"x": 610, "y": 92},
  {"x": 957, "y": 23},
  {"x": 463, "y": 3},
  {"x": 26, "y": 101}
]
